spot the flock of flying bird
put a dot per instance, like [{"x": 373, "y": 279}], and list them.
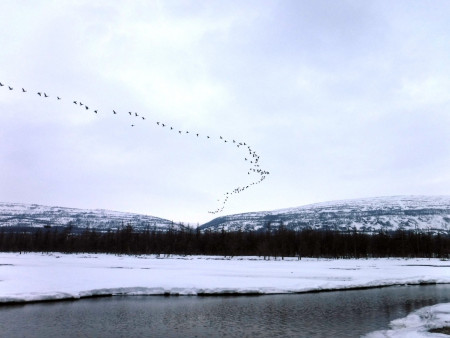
[{"x": 252, "y": 158}]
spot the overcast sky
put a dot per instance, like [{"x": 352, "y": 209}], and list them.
[{"x": 340, "y": 99}]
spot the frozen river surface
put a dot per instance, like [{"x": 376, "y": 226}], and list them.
[{"x": 36, "y": 277}]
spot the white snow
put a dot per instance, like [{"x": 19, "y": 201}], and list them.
[
  {"x": 418, "y": 323},
  {"x": 36, "y": 277},
  {"x": 33, "y": 215},
  {"x": 416, "y": 213},
  {"x": 414, "y": 202}
]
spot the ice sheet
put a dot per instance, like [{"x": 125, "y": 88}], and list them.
[
  {"x": 418, "y": 323},
  {"x": 36, "y": 277}
]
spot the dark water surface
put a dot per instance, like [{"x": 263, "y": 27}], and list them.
[{"x": 328, "y": 314}]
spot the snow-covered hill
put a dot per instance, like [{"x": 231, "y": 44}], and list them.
[
  {"x": 33, "y": 215},
  {"x": 423, "y": 213}
]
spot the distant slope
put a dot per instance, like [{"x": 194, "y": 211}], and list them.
[
  {"x": 33, "y": 215},
  {"x": 423, "y": 213}
]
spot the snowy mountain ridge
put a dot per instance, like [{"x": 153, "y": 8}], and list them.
[
  {"x": 34, "y": 215},
  {"x": 418, "y": 213},
  {"x": 421, "y": 213}
]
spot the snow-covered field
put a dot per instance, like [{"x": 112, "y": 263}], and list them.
[
  {"x": 418, "y": 323},
  {"x": 36, "y": 277}
]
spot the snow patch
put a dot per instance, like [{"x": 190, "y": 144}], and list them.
[{"x": 418, "y": 323}]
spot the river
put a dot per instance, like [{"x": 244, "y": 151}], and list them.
[{"x": 326, "y": 314}]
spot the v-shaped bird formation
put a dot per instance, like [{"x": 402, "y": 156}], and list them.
[{"x": 250, "y": 156}]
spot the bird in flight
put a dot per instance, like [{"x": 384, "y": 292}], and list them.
[{"x": 254, "y": 159}]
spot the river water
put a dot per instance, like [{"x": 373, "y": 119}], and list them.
[{"x": 327, "y": 314}]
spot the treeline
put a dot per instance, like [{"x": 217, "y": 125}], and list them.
[{"x": 280, "y": 243}]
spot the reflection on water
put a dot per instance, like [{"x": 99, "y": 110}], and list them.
[{"x": 328, "y": 314}]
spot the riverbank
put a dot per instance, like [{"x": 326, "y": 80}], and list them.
[{"x": 42, "y": 277}]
